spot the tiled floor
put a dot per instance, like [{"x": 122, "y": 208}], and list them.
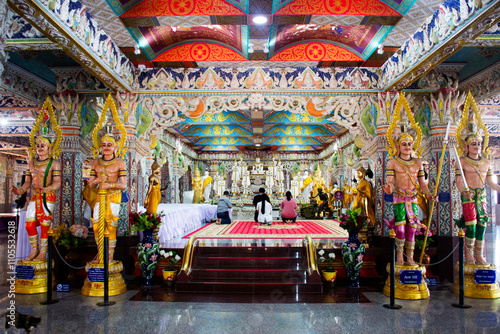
[{"x": 341, "y": 310}]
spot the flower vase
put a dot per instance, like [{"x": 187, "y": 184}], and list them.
[
  {"x": 353, "y": 252},
  {"x": 147, "y": 253}
]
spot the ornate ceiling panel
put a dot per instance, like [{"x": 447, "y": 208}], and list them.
[{"x": 340, "y": 7}]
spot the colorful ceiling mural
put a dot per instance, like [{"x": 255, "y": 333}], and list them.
[{"x": 182, "y": 33}]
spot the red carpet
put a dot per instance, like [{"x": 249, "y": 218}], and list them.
[{"x": 319, "y": 229}]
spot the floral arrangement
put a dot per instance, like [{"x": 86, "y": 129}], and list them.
[
  {"x": 353, "y": 220},
  {"x": 71, "y": 237},
  {"x": 329, "y": 260},
  {"x": 142, "y": 221},
  {"x": 420, "y": 236},
  {"x": 172, "y": 257}
]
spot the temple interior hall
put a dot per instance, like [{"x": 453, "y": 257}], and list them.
[{"x": 267, "y": 166}]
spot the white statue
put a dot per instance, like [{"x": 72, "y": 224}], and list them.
[
  {"x": 306, "y": 187},
  {"x": 258, "y": 167},
  {"x": 273, "y": 167},
  {"x": 219, "y": 185},
  {"x": 295, "y": 186},
  {"x": 245, "y": 182},
  {"x": 236, "y": 172},
  {"x": 279, "y": 176},
  {"x": 206, "y": 187},
  {"x": 269, "y": 181}
]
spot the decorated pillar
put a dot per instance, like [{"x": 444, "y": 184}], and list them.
[
  {"x": 386, "y": 104},
  {"x": 4, "y": 25},
  {"x": 73, "y": 153},
  {"x": 443, "y": 103},
  {"x": 9, "y": 179}
]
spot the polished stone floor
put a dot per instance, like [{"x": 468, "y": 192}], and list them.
[{"x": 341, "y": 310}]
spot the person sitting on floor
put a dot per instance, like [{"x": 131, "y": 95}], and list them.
[
  {"x": 223, "y": 207},
  {"x": 265, "y": 210},
  {"x": 289, "y": 207},
  {"x": 256, "y": 200}
]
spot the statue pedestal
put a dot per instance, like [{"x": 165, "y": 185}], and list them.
[
  {"x": 94, "y": 283},
  {"x": 410, "y": 282},
  {"x": 480, "y": 281},
  {"x": 31, "y": 277}
]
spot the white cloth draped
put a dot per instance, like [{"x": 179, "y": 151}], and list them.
[{"x": 181, "y": 219}]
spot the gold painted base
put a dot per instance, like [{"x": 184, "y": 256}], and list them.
[
  {"x": 473, "y": 290},
  {"x": 39, "y": 283},
  {"x": 407, "y": 291},
  {"x": 115, "y": 282}
]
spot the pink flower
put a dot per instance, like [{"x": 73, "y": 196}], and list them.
[
  {"x": 147, "y": 246},
  {"x": 352, "y": 245},
  {"x": 153, "y": 257},
  {"x": 360, "y": 257}
]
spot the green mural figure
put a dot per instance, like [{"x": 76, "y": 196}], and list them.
[
  {"x": 423, "y": 121},
  {"x": 89, "y": 119},
  {"x": 367, "y": 120},
  {"x": 144, "y": 122}
]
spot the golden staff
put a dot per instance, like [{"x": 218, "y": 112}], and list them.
[
  {"x": 102, "y": 220},
  {"x": 445, "y": 142}
]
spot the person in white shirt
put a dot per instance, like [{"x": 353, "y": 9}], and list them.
[{"x": 264, "y": 210}]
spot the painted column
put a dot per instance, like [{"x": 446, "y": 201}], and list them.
[
  {"x": 4, "y": 25},
  {"x": 386, "y": 104},
  {"x": 9, "y": 179},
  {"x": 69, "y": 198},
  {"x": 443, "y": 103}
]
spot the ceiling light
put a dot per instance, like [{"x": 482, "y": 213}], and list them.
[
  {"x": 266, "y": 49},
  {"x": 4, "y": 121},
  {"x": 137, "y": 49},
  {"x": 259, "y": 19},
  {"x": 250, "y": 48},
  {"x": 380, "y": 49},
  {"x": 257, "y": 145}
]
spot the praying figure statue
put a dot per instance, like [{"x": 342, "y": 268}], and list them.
[
  {"x": 153, "y": 195},
  {"x": 109, "y": 172},
  {"x": 403, "y": 173},
  {"x": 197, "y": 186},
  {"x": 44, "y": 174},
  {"x": 365, "y": 195},
  {"x": 258, "y": 167},
  {"x": 318, "y": 182},
  {"x": 477, "y": 172},
  {"x": 206, "y": 187}
]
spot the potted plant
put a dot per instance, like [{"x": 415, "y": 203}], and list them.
[
  {"x": 329, "y": 274},
  {"x": 71, "y": 238},
  {"x": 148, "y": 248},
  {"x": 170, "y": 272},
  {"x": 353, "y": 250},
  {"x": 419, "y": 243}
]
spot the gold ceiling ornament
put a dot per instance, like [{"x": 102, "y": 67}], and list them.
[
  {"x": 46, "y": 118},
  {"x": 110, "y": 104},
  {"x": 471, "y": 123},
  {"x": 402, "y": 102}
]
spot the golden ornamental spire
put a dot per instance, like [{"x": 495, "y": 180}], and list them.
[
  {"x": 110, "y": 104},
  {"x": 45, "y": 120},
  {"x": 402, "y": 102},
  {"x": 471, "y": 123}
]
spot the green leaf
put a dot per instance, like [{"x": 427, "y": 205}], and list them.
[{"x": 358, "y": 266}]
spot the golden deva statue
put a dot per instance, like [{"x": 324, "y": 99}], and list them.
[
  {"x": 197, "y": 186},
  {"x": 365, "y": 196},
  {"x": 318, "y": 182},
  {"x": 153, "y": 195},
  {"x": 348, "y": 196}
]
